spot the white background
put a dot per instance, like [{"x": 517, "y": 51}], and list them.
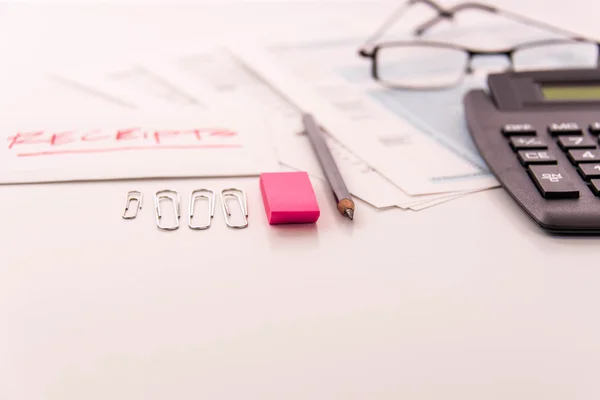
[{"x": 468, "y": 300}]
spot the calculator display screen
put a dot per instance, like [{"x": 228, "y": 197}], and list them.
[{"x": 571, "y": 93}]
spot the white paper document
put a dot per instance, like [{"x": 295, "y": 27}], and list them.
[{"x": 79, "y": 147}]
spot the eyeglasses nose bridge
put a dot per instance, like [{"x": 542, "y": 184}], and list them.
[{"x": 473, "y": 54}]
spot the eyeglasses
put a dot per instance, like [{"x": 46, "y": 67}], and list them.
[{"x": 423, "y": 64}]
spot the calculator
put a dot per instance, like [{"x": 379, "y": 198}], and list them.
[{"x": 538, "y": 132}]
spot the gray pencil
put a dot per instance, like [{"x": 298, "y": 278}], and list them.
[{"x": 344, "y": 201}]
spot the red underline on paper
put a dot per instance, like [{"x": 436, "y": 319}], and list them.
[{"x": 130, "y": 148}]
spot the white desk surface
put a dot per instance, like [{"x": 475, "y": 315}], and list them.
[{"x": 468, "y": 300}]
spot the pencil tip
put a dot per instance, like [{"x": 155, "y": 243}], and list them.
[{"x": 349, "y": 213}]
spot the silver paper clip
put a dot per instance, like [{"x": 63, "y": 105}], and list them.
[
  {"x": 201, "y": 194},
  {"x": 134, "y": 195},
  {"x": 242, "y": 201},
  {"x": 174, "y": 197}
]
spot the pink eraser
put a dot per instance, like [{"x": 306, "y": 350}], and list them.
[{"x": 289, "y": 198}]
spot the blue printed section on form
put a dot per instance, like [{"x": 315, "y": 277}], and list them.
[{"x": 437, "y": 113}]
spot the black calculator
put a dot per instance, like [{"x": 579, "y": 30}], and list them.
[{"x": 538, "y": 132}]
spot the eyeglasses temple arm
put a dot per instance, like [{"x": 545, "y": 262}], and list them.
[
  {"x": 365, "y": 49},
  {"x": 450, "y": 13}
]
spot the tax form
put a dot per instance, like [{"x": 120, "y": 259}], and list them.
[{"x": 398, "y": 150}]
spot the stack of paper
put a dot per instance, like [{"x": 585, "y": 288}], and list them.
[
  {"x": 398, "y": 158},
  {"x": 235, "y": 110}
]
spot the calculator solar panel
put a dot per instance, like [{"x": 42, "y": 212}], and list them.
[{"x": 538, "y": 132}]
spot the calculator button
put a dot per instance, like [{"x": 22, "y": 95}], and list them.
[
  {"x": 552, "y": 182},
  {"x": 594, "y": 128},
  {"x": 518, "y": 129},
  {"x": 595, "y": 186},
  {"x": 536, "y": 157},
  {"x": 589, "y": 171},
  {"x": 576, "y": 142},
  {"x": 528, "y": 142},
  {"x": 583, "y": 156},
  {"x": 564, "y": 128}
]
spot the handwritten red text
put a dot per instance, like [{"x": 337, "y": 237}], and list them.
[{"x": 134, "y": 138}]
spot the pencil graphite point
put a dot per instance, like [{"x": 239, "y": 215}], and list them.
[
  {"x": 346, "y": 207},
  {"x": 349, "y": 213}
]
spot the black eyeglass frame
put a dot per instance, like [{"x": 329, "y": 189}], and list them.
[
  {"x": 471, "y": 53},
  {"x": 368, "y": 50}
]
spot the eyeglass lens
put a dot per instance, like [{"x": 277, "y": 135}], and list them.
[
  {"x": 556, "y": 55},
  {"x": 420, "y": 66}
]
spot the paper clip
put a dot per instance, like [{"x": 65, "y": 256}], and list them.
[
  {"x": 174, "y": 197},
  {"x": 200, "y": 194},
  {"x": 243, "y": 206},
  {"x": 132, "y": 196}
]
